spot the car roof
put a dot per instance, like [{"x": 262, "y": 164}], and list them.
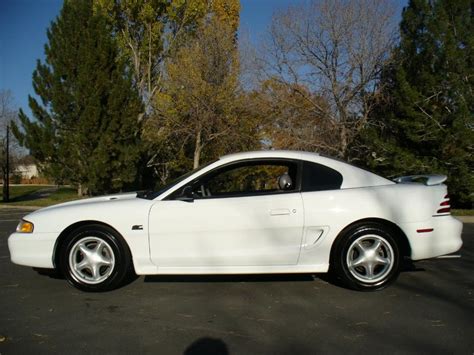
[
  {"x": 353, "y": 177},
  {"x": 290, "y": 154}
]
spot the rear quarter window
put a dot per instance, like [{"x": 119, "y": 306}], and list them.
[{"x": 317, "y": 177}]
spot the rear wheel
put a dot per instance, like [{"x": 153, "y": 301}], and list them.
[
  {"x": 367, "y": 257},
  {"x": 95, "y": 258}
]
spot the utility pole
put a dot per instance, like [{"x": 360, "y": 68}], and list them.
[{"x": 6, "y": 177}]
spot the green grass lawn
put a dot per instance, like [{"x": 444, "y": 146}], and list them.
[
  {"x": 462, "y": 212},
  {"x": 28, "y": 195},
  {"x": 20, "y": 191}
]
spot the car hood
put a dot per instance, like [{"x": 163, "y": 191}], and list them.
[
  {"x": 93, "y": 200},
  {"x": 120, "y": 211}
]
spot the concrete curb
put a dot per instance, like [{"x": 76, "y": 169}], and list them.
[
  {"x": 15, "y": 207},
  {"x": 466, "y": 219}
]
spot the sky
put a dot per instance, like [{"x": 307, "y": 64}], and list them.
[{"x": 23, "y": 25}]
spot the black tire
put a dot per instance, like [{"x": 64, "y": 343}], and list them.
[
  {"x": 107, "y": 254},
  {"x": 359, "y": 264}
]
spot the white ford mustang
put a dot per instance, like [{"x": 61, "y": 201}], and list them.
[{"x": 255, "y": 212}]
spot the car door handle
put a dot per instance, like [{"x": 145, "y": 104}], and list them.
[{"x": 279, "y": 212}]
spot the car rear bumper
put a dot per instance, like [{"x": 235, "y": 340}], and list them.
[
  {"x": 438, "y": 236},
  {"x": 32, "y": 249}
]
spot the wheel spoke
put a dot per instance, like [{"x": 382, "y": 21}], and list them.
[
  {"x": 382, "y": 261},
  {"x": 361, "y": 247},
  {"x": 369, "y": 270},
  {"x": 84, "y": 249},
  {"x": 84, "y": 264},
  {"x": 376, "y": 245},
  {"x": 98, "y": 247},
  {"x": 99, "y": 258},
  {"x": 360, "y": 261},
  {"x": 95, "y": 271},
  {"x": 104, "y": 261}
]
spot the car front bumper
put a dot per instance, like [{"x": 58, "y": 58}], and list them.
[
  {"x": 445, "y": 237},
  {"x": 32, "y": 249}
]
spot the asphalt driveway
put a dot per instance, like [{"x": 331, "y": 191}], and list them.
[{"x": 428, "y": 310}]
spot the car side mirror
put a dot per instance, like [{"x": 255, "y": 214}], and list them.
[{"x": 187, "y": 194}]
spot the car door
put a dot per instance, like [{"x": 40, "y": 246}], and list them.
[{"x": 238, "y": 215}]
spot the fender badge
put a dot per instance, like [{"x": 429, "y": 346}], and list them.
[{"x": 137, "y": 227}]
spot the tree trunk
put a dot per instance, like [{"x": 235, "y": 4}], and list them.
[
  {"x": 82, "y": 190},
  {"x": 197, "y": 150},
  {"x": 5, "y": 187},
  {"x": 343, "y": 142}
]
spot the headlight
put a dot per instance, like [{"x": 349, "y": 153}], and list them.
[{"x": 24, "y": 227}]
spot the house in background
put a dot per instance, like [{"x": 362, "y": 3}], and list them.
[{"x": 27, "y": 172}]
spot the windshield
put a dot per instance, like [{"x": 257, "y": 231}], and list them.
[{"x": 154, "y": 194}]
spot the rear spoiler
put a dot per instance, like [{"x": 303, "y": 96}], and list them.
[{"x": 428, "y": 180}]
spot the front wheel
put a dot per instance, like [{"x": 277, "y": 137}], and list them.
[
  {"x": 367, "y": 258},
  {"x": 95, "y": 258}
]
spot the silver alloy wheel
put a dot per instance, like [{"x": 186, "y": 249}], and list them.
[
  {"x": 370, "y": 258},
  {"x": 91, "y": 260}
]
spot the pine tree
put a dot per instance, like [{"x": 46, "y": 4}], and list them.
[
  {"x": 84, "y": 130},
  {"x": 428, "y": 119}
]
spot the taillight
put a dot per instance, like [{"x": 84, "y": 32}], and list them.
[{"x": 445, "y": 205}]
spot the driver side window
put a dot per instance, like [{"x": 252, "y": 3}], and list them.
[{"x": 248, "y": 178}]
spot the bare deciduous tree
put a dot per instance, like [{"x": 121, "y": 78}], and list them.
[
  {"x": 335, "y": 49},
  {"x": 147, "y": 32},
  {"x": 200, "y": 116},
  {"x": 8, "y": 114}
]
